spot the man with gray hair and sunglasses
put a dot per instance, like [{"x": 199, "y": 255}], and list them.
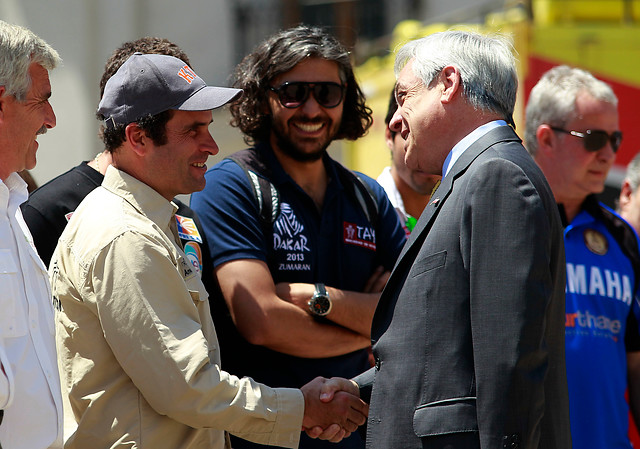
[
  {"x": 572, "y": 131},
  {"x": 29, "y": 383}
]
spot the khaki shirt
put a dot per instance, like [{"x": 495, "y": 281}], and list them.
[{"x": 138, "y": 353}]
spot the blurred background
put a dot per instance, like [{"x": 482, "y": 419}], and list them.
[{"x": 602, "y": 36}]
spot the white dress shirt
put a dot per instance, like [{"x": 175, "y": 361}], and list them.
[
  {"x": 29, "y": 381},
  {"x": 466, "y": 142}
]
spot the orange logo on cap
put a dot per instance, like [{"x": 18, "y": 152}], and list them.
[{"x": 188, "y": 74}]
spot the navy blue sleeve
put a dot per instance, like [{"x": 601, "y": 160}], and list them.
[
  {"x": 632, "y": 333},
  {"x": 390, "y": 236},
  {"x": 228, "y": 212}
]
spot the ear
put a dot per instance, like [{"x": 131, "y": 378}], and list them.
[
  {"x": 3, "y": 100},
  {"x": 265, "y": 106},
  {"x": 137, "y": 138},
  {"x": 546, "y": 138},
  {"x": 451, "y": 81},
  {"x": 625, "y": 194},
  {"x": 388, "y": 138}
]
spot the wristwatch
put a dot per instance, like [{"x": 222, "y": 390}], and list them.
[{"x": 320, "y": 304}]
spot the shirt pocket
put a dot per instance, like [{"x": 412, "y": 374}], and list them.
[{"x": 13, "y": 316}]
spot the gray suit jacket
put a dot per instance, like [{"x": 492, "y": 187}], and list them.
[{"x": 468, "y": 336}]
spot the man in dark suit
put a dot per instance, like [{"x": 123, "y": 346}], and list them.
[{"x": 468, "y": 336}]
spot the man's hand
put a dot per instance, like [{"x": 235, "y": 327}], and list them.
[
  {"x": 377, "y": 281},
  {"x": 332, "y": 408}
]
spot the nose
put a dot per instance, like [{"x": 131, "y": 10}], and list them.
[
  {"x": 606, "y": 153},
  {"x": 209, "y": 145},
  {"x": 49, "y": 116},
  {"x": 311, "y": 107},
  {"x": 395, "y": 124}
]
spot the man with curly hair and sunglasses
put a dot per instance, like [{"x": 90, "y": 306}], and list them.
[
  {"x": 572, "y": 131},
  {"x": 298, "y": 292}
]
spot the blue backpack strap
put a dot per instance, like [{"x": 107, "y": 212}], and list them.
[
  {"x": 266, "y": 195},
  {"x": 361, "y": 192}
]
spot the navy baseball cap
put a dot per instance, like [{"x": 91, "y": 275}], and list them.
[{"x": 151, "y": 84}]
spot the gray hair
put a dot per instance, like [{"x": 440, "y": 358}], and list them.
[
  {"x": 486, "y": 64},
  {"x": 633, "y": 172},
  {"x": 19, "y": 48},
  {"x": 552, "y": 100}
]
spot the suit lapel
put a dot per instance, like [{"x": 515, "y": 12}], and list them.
[{"x": 419, "y": 233}]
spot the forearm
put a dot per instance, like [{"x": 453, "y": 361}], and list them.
[
  {"x": 351, "y": 310},
  {"x": 264, "y": 318},
  {"x": 291, "y": 330}
]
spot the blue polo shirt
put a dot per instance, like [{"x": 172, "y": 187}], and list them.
[
  {"x": 336, "y": 246},
  {"x": 601, "y": 313}
]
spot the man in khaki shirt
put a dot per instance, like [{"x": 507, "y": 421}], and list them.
[{"x": 139, "y": 358}]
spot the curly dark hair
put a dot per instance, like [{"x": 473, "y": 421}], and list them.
[
  {"x": 154, "y": 126},
  {"x": 279, "y": 54}
]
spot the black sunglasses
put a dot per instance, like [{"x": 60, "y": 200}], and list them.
[
  {"x": 595, "y": 139},
  {"x": 293, "y": 94}
]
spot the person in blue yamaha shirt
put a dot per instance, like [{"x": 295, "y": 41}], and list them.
[{"x": 572, "y": 131}]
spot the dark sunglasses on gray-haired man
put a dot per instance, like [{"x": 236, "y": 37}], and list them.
[{"x": 595, "y": 139}]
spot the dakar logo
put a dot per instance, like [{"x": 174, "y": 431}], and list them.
[
  {"x": 188, "y": 74},
  {"x": 287, "y": 231}
]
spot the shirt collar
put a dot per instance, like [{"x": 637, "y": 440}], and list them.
[
  {"x": 142, "y": 197},
  {"x": 466, "y": 142},
  {"x": 13, "y": 192},
  {"x": 589, "y": 211},
  {"x": 278, "y": 176}
]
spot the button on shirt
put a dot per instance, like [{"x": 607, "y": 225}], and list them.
[
  {"x": 29, "y": 386},
  {"x": 138, "y": 350}
]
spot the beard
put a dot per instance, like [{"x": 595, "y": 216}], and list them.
[{"x": 294, "y": 151}]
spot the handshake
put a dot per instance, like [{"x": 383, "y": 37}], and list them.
[{"x": 332, "y": 408}]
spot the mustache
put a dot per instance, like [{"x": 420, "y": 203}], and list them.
[{"x": 42, "y": 130}]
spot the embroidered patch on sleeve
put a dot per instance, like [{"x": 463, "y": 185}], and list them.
[{"x": 187, "y": 229}]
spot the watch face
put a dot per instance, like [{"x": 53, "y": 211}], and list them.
[{"x": 320, "y": 305}]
